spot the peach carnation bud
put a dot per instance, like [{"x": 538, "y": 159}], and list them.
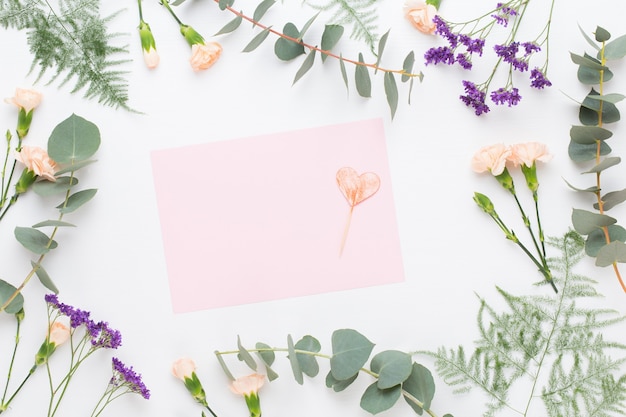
[
  {"x": 249, "y": 386},
  {"x": 421, "y": 15},
  {"x": 183, "y": 368},
  {"x": 148, "y": 45}
]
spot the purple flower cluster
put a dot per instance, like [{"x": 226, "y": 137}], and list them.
[
  {"x": 445, "y": 54},
  {"x": 502, "y": 96},
  {"x": 474, "y": 97},
  {"x": 538, "y": 79},
  {"x": 504, "y": 12},
  {"x": 509, "y": 54},
  {"x": 126, "y": 376},
  {"x": 101, "y": 334}
]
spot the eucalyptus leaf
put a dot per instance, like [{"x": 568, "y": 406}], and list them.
[
  {"x": 375, "y": 400},
  {"x": 308, "y": 363},
  {"x": 611, "y": 253},
  {"x": 391, "y": 91},
  {"x": 257, "y": 40},
  {"x": 350, "y": 352},
  {"x": 245, "y": 356},
  {"x": 337, "y": 385},
  {"x": 306, "y": 66},
  {"x": 586, "y": 135},
  {"x": 230, "y": 26},
  {"x": 261, "y": 9},
  {"x": 286, "y": 49},
  {"x": 381, "y": 48},
  {"x": 588, "y": 39},
  {"x": 612, "y": 199},
  {"x": 582, "y": 153},
  {"x": 362, "y": 78},
  {"x": 74, "y": 139},
  {"x": 61, "y": 185},
  {"x": 590, "y": 76},
  {"x": 590, "y": 108},
  {"x": 223, "y": 4},
  {"x": 53, "y": 223},
  {"x": 602, "y": 35},
  {"x": 592, "y": 189},
  {"x": 330, "y": 38},
  {"x": 420, "y": 385},
  {"x": 392, "y": 366},
  {"x": 76, "y": 200},
  {"x": 34, "y": 240},
  {"x": 293, "y": 360},
  {"x": 306, "y": 26},
  {"x": 407, "y": 66},
  {"x": 597, "y": 239},
  {"x": 608, "y": 98},
  {"x": 267, "y": 356},
  {"x": 344, "y": 74},
  {"x": 587, "y": 62},
  {"x": 220, "y": 360},
  {"x": 615, "y": 49},
  {"x": 410, "y": 90},
  {"x": 585, "y": 222},
  {"x": 604, "y": 164},
  {"x": 76, "y": 166},
  {"x": 6, "y": 291},
  {"x": 44, "y": 278}
]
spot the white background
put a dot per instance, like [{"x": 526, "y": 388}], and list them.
[{"x": 113, "y": 263}]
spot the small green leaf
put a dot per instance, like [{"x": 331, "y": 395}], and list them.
[
  {"x": 75, "y": 166},
  {"x": 330, "y": 37},
  {"x": 6, "y": 291},
  {"x": 306, "y": 66},
  {"x": 613, "y": 252},
  {"x": 308, "y": 363},
  {"x": 588, "y": 39},
  {"x": 260, "y": 10},
  {"x": 616, "y": 49},
  {"x": 350, "y": 352},
  {"x": 257, "y": 40},
  {"x": 44, "y": 278},
  {"x": 392, "y": 366},
  {"x": 220, "y": 360},
  {"x": 420, "y": 385},
  {"x": 293, "y": 360},
  {"x": 612, "y": 199},
  {"x": 53, "y": 223},
  {"x": 585, "y": 222},
  {"x": 344, "y": 74},
  {"x": 61, "y": 185},
  {"x": 587, "y": 62},
  {"x": 74, "y": 139},
  {"x": 245, "y": 356},
  {"x": 590, "y": 108},
  {"x": 362, "y": 78},
  {"x": 267, "y": 357},
  {"x": 592, "y": 76},
  {"x": 582, "y": 153},
  {"x": 604, "y": 164},
  {"x": 608, "y": 98},
  {"x": 223, "y": 4},
  {"x": 592, "y": 189},
  {"x": 375, "y": 400},
  {"x": 407, "y": 66},
  {"x": 602, "y": 35},
  {"x": 381, "y": 48},
  {"x": 306, "y": 26},
  {"x": 34, "y": 240},
  {"x": 285, "y": 49},
  {"x": 336, "y": 385},
  {"x": 76, "y": 200},
  {"x": 391, "y": 91},
  {"x": 597, "y": 240},
  {"x": 586, "y": 135},
  {"x": 230, "y": 26}
]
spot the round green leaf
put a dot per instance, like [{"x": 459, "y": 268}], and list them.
[
  {"x": 582, "y": 153},
  {"x": 308, "y": 363},
  {"x": 287, "y": 50},
  {"x": 392, "y": 366},
  {"x": 612, "y": 199},
  {"x": 596, "y": 239},
  {"x": 330, "y": 37},
  {"x": 61, "y": 185},
  {"x": 376, "y": 400},
  {"x": 616, "y": 49},
  {"x": 586, "y": 135},
  {"x": 336, "y": 385},
  {"x": 350, "y": 352},
  {"x": 6, "y": 291},
  {"x": 588, "y": 113},
  {"x": 585, "y": 222},
  {"x": 420, "y": 385},
  {"x": 613, "y": 252},
  {"x": 34, "y": 240},
  {"x": 602, "y": 35},
  {"x": 268, "y": 356},
  {"x": 74, "y": 139}
]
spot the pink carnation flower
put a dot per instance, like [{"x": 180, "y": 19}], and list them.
[{"x": 491, "y": 158}]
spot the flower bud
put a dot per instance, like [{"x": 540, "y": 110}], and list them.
[
  {"x": 484, "y": 203},
  {"x": 184, "y": 369},
  {"x": 58, "y": 333},
  {"x": 530, "y": 173},
  {"x": 26, "y": 100},
  {"x": 27, "y": 179},
  {"x": 148, "y": 45},
  {"x": 191, "y": 36},
  {"x": 249, "y": 386},
  {"x": 506, "y": 180}
]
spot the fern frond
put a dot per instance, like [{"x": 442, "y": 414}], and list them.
[
  {"x": 361, "y": 14},
  {"x": 549, "y": 341},
  {"x": 72, "y": 45}
]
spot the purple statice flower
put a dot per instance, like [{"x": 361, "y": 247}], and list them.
[
  {"x": 463, "y": 61},
  {"x": 104, "y": 336},
  {"x": 504, "y": 12},
  {"x": 509, "y": 54},
  {"x": 530, "y": 48},
  {"x": 77, "y": 316},
  {"x": 502, "y": 96},
  {"x": 538, "y": 79},
  {"x": 473, "y": 46},
  {"x": 501, "y": 20},
  {"x": 474, "y": 97},
  {"x": 442, "y": 54},
  {"x": 126, "y": 376},
  {"x": 442, "y": 28}
]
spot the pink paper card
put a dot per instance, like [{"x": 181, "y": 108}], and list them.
[{"x": 276, "y": 216}]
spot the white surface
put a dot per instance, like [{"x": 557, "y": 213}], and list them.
[{"x": 113, "y": 263}]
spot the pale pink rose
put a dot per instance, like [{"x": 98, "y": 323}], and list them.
[
  {"x": 183, "y": 368},
  {"x": 491, "y": 158},
  {"x": 247, "y": 385},
  {"x": 37, "y": 161},
  {"x": 421, "y": 15},
  {"x": 25, "y": 99},
  {"x": 529, "y": 152},
  {"x": 59, "y": 333},
  {"x": 203, "y": 56},
  {"x": 151, "y": 58}
]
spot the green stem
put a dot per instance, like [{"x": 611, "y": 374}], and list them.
[
  {"x": 17, "y": 341},
  {"x": 140, "y": 10},
  {"x": 32, "y": 371},
  {"x": 169, "y": 9}
]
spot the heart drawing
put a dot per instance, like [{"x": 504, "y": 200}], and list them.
[{"x": 356, "y": 189}]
